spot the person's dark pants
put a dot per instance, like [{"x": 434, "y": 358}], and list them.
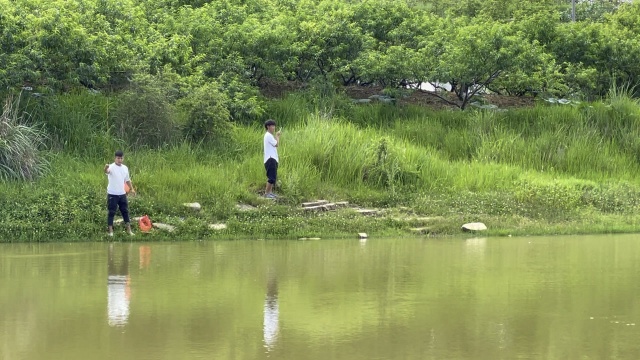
[
  {"x": 272, "y": 170},
  {"x": 115, "y": 202}
]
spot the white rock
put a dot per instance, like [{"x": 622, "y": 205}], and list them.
[
  {"x": 194, "y": 205},
  {"x": 245, "y": 207},
  {"x": 477, "y": 226},
  {"x": 161, "y": 226},
  {"x": 217, "y": 226}
]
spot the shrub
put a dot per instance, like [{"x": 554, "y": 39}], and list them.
[
  {"x": 146, "y": 116},
  {"x": 244, "y": 100},
  {"x": 20, "y": 158},
  {"x": 207, "y": 115}
]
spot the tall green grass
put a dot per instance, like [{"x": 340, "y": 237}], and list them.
[
  {"x": 546, "y": 163},
  {"x": 597, "y": 140},
  {"x": 20, "y": 145},
  {"x": 80, "y": 123},
  {"x": 445, "y": 153}
]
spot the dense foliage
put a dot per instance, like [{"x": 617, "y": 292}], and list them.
[{"x": 506, "y": 46}]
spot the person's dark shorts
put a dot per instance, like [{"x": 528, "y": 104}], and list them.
[
  {"x": 271, "y": 166},
  {"x": 115, "y": 202}
]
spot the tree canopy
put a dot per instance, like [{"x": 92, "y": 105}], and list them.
[{"x": 503, "y": 46}]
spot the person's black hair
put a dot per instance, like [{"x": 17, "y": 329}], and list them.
[
  {"x": 119, "y": 153},
  {"x": 269, "y": 122}
]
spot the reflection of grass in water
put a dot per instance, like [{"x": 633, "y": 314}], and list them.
[{"x": 50, "y": 255}]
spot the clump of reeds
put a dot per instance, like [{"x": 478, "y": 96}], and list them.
[{"x": 20, "y": 157}]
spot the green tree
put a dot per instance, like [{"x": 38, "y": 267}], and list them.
[
  {"x": 207, "y": 115},
  {"x": 384, "y": 59},
  {"x": 606, "y": 50},
  {"x": 476, "y": 53},
  {"x": 327, "y": 39}
]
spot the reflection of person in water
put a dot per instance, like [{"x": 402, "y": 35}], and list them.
[
  {"x": 118, "y": 288},
  {"x": 271, "y": 314},
  {"x": 145, "y": 256}
]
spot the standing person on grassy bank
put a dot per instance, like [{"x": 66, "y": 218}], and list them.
[
  {"x": 271, "y": 143},
  {"x": 118, "y": 175}
]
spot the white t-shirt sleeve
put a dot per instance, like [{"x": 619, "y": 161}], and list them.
[{"x": 272, "y": 140}]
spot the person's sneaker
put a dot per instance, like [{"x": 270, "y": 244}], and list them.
[
  {"x": 130, "y": 233},
  {"x": 110, "y": 234},
  {"x": 270, "y": 196}
]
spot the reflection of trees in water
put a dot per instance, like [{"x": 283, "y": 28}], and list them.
[
  {"x": 118, "y": 287},
  {"x": 271, "y": 313}
]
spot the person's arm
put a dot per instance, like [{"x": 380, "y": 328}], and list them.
[
  {"x": 272, "y": 140},
  {"x": 277, "y": 138},
  {"x": 133, "y": 191},
  {"x": 106, "y": 169}
]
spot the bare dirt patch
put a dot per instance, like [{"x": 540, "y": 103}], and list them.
[
  {"x": 421, "y": 98},
  {"x": 440, "y": 100}
]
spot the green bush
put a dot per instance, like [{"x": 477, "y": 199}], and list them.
[
  {"x": 20, "y": 157},
  {"x": 244, "y": 100},
  {"x": 207, "y": 115},
  {"x": 146, "y": 116}
]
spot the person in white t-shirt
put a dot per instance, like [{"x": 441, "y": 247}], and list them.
[
  {"x": 271, "y": 142},
  {"x": 118, "y": 175}
]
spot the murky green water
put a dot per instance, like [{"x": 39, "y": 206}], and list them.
[{"x": 504, "y": 298}]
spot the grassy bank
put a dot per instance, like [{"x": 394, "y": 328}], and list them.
[{"x": 544, "y": 170}]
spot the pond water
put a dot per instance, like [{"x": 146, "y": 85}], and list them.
[{"x": 572, "y": 297}]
